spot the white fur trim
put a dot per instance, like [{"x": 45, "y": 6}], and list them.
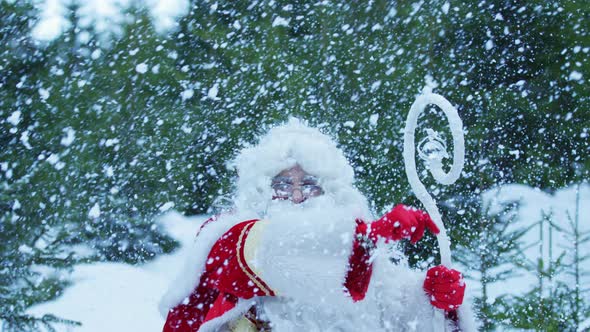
[{"x": 399, "y": 289}]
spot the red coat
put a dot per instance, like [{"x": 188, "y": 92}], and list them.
[{"x": 228, "y": 278}]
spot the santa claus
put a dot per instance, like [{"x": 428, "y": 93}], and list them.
[{"x": 300, "y": 252}]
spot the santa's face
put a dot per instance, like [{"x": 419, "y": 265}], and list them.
[
  {"x": 296, "y": 185},
  {"x": 299, "y": 197}
]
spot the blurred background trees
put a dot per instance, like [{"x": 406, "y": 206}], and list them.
[{"x": 100, "y": 134}]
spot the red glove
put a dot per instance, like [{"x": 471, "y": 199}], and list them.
[
  {"x": 403, "y": 222},
  {"x": 445, "y": 287}
]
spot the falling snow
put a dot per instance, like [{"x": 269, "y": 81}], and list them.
[
  {"x": 141, "y": 68},
  {"x": 115, "y": 112}
]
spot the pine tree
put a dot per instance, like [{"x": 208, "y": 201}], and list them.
[
  {"x": 575, "y": 304},
  {"x": 31, "y": 247},
  {"x": 115, "y": 166},
  {"x": 488, "y": 249},
  {"x": 555, "y": 302}
]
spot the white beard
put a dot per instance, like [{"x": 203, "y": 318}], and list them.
[{"x": 304, "y": 249}]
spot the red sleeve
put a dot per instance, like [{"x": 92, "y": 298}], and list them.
[
  {"x": 227, "y": 269},
  {"x": 190, "y": 314},
  {"x": 360, "y": 268}
]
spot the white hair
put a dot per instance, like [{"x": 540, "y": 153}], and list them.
[{"x": 283, "y": 147}]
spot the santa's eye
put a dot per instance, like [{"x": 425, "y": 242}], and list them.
[
  {"x": 312, "y": 190},
  {"x": 282, "y": 186}
]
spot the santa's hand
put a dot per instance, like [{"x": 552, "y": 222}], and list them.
[
  {"x": 403, "y": 222},
  {"x": 445, "y": 287}
]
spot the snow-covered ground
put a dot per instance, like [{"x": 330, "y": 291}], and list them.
[{"x": 120, "y": 297}]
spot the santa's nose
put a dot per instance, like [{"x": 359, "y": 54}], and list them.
[{"x": 297, "y": 196}]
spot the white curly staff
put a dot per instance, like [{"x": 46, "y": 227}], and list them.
[
  {"x": 433, "y": 157},
  {"x": 433, "y": 152}
]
